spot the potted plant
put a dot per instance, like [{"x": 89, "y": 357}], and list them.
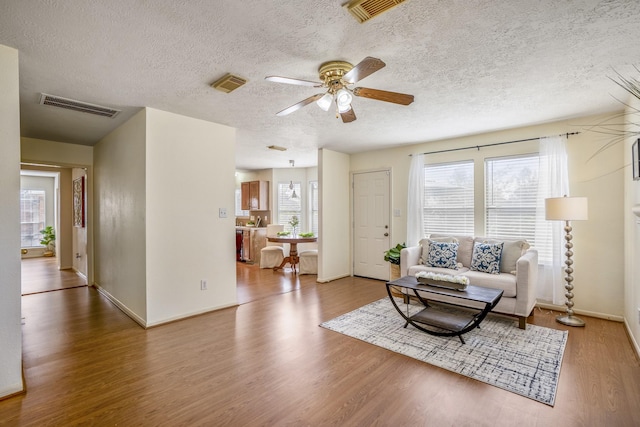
[
  {"x": 392, "y": 256},
  {"x": 48, "y": 240}
]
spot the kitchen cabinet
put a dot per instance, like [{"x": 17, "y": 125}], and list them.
[
  {"x": 249, "y": 242},
  {"x": 255, "y": 195}
]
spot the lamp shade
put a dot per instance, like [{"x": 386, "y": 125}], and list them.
[{"x": 566, "y": 208}]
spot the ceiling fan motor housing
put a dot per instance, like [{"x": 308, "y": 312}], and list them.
[{"x": 331, "y": 73}]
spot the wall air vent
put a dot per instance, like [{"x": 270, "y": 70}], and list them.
[
  {"x": 228, "y": 83},
  {"x": 72, "y": 104},
  {"x": 363, "y": 10}
]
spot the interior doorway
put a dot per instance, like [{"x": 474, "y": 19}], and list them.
[
  {"x": 371, "y": 227},
  {"x": 63, "y": 207}
]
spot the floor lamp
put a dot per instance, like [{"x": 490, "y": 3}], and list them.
[{"x": 567, "y": 209}]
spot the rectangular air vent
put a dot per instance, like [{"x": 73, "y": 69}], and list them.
[
  {"x": 228, "y": 83},
  {"x": 363, "y": 10},
  {"x": 72, "y": 104}
]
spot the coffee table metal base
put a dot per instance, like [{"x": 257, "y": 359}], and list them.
[{"x": 447, "y": 323}]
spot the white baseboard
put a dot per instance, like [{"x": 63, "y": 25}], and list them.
[
  {"x": 634, "y": 343},
  {"x": 186, "y": 316},
  {"x": 562, "y": 309},
  {"x": 330, "y": 279},
  {"x": 121, "y": 306},
  {"x": 80, "y": 274}
]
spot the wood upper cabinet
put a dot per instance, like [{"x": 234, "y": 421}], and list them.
[
  {"x": 245, "y": 196},
  {"x": 255, "y": 195}
]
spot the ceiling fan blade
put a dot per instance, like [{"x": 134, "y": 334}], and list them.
[
  {"x": 348, "y": 116},
  {"x": 366, "y": 67},
  {"x": 291, "y": 81},
  {"x": 300, "y": 104},
  {"x": 383, "y": 95}
]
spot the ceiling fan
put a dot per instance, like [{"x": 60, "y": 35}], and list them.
[{"x": 337, "y": 76}]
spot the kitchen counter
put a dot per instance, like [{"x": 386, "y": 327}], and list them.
[{"x": 249, "y": 243}]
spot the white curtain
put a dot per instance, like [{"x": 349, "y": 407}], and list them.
[
  {"x": 415, "y": 200},
  {"x": 553, "y": 181}
]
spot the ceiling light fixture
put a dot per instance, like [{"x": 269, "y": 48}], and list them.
[
  {"x": 344, "y": 98},
  {"x": 293, "y": 194},
  {"x": 325, "y": 101}
]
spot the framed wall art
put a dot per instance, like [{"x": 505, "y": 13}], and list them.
[{"x": 78, "y": 202}]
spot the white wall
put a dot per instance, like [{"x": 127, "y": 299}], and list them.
[
  {"x": 120, "y": 217},
  {"x": 189, "y": 176},
  {"x": 334, "y": 243},
  {"x": 10, "y": 328},
  {"x": 598, "y": 243}
]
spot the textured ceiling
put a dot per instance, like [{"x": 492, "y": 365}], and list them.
[{"x": 473, "y": 66}]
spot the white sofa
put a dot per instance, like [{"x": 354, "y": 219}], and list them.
[{"x": 517, "y": 275}]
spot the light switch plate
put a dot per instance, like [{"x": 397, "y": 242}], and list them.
[{"x": 222, "y": 212}]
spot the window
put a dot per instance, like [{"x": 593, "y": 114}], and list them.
[
  {"x": 239, "y": 211},
  {"x": 32, "y": 217},
  {"x": 313, "y": 201},
  {"x": 511, "y": 200},
  {"x": 448, "y": 198},
  {"x": 289, "y": 204}
]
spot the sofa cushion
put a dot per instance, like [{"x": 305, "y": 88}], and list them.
[
  {"x": 511, "y": 252},
  {"x": 486, "y": 257},
  {"x": 465, "y": 248},
  {"x": 504, "y": 281},
  {"x": 442, "y": 254},
  {"x": 424, "y": 245}
]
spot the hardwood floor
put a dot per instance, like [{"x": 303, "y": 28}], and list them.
[
  {"x": 42, "y": 275},
  {"x": 267, "y": 362}
]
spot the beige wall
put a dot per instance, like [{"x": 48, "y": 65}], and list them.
[
  {"x": 632, "y": 232},
  {"x": 189, "y": 177},
  {"x": 334, "y": 243},
  {"x": 10, "y": 328},
  {"x": 119, "y": 219},
  {"x": 598, "y": 242},
  {"x": 55, "y": 153}
]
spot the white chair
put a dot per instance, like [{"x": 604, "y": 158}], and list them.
[
  {"x": 272, "y": 254},
  {"x": 308, "y": 260}
]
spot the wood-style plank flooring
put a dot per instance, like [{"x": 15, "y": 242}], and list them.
[
  {"x": 268, "y": 363},
  {"x": 42, "y": 275}
]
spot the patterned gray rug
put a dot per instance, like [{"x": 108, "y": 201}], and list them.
[{"x": 526, "y": 362}]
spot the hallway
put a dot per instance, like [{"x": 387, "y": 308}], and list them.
[{"x": 42, "y": 275}]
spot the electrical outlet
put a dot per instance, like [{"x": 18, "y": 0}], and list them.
[
  {"x": 203, "y": 285},
  {"x": 222, "y": 212}
]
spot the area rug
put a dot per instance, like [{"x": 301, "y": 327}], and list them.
[{"x": 526, "y": 362}]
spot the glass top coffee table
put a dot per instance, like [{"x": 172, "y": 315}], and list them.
[{"x": 445, "y": 318}]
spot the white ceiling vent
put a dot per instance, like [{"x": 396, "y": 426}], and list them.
[
  {"x": 72, "y": 104},
  {"x": 363, "y": 10}
]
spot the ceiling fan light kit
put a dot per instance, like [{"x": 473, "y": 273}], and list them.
[
  {"x": 336, "y": 76},
  {"x": 325, "y": 102}
]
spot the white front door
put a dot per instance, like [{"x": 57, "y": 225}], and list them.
[{"x": 371, "y": 224}]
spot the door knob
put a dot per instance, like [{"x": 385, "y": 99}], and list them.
[{"x": 386, "y": 234}]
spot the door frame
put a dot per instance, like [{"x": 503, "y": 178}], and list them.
[{"x": 389, "y": 170}]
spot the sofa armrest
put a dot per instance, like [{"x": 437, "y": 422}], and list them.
[
  {"x": 526, "y": 282},
  {"x": 408, "y": 258}
]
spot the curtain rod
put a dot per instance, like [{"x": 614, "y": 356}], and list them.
[{"x": 497, "y": 143}]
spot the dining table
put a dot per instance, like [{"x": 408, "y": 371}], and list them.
[{"x": 293, "y": 241}]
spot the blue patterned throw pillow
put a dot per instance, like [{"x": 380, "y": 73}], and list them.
[
  {"x": 486, "y": 257},
  {"x": 442, "y": 254}
]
